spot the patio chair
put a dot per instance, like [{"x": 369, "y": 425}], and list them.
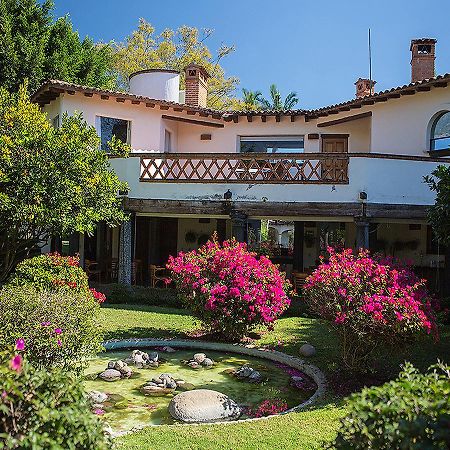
[
  {"x": 298, "y": 280},
  {"x": 157, "y": 275},
  {"x": 113, "y": 269},
  {"x": 93, "y": 270},
  {"x": 136, "y": 271}
]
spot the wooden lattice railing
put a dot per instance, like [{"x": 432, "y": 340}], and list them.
[{"x": 257, "y": 168}]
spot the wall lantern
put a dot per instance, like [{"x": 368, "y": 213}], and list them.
[{"x": 227, "y": 195}]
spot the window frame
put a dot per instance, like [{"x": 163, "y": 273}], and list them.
[
  {"x": 98, "y": 127},
  {"x": 274, "y": 138},
  {"x": 432, "y": 140}
]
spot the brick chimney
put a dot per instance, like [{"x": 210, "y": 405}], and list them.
[
  {"x": 422, "y": 59},
  {"x": 196, "y": 82},
  {"x": 364, "y": 87}
]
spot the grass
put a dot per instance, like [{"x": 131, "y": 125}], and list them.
[{"x": 304, "y": 430}]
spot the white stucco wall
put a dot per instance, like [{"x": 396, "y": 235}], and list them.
[{"x": 398, "y": 126}]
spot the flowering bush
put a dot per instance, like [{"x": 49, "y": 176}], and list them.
[
  {"x": 52, "y": 271},
  {"x": 60, "y": 327},
  {"x": 370, "y": 301},
  {"x": 43, "y": 409},
  {"x": 411, "y": 412},
  {"x": 268, "y": 408},
  {"x": 228, "y": 288}
]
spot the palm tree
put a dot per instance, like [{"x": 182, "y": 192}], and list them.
[
  {"x": 276, "y": 103},
  {"x": 251, "y": 99}
]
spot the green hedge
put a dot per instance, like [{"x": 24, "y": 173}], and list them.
[{"x": 140, "y": 295}]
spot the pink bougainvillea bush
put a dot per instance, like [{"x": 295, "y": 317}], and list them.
[
  {"x": 230, "y": 289},
  {"x": 371, "y": 301}
]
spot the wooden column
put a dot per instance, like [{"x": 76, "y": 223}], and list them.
[
  {"x": 299, "y": 237},
  {"x": 362, "y": 233},
  {"x": 221, "y": 229},
  {"x": 239, "y": 224}
]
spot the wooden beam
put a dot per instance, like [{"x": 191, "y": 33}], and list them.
[
  {"x": 263, "y": 118},
  {"x": 345, "y": 119},
  {"x": 193, "y": 122},
  {"x": 104, "y": 97},
  {"x": 88, "y": 94},
  {"x": 135, "y": 102},
  {"x": 440, "y": 84},
  {"x": 380, "y": 99},
  {"x": 120, "y": 100},
  {"x": 278, "y": 118},
  {"x": 424, "y": 88},
  {"x": 150, "y": 105},
  {"x": 292, "y": 118},
  {"x": 249, "y": 118},
  {"x": 277, "y": 209},
  {"x": 235, "y": 118},
  {"x": 165, "y": 107},
  {"x": 408, "y": 92}
]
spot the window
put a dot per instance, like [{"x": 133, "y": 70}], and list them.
[
  {"x": 272, "y": 144},
  {"x": 109, "y": 127},
  {"x": 167, "y": 141},
  {"x": 55, "y": 121},
  {"x": 440, "y": 133}
]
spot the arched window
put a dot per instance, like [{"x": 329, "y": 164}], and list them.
[{"x": 440, "y": 133}]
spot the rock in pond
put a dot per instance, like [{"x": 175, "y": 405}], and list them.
[
  {"x": 307, "y": 350},
  {"x": 110, "y": 375},
  {"x": 203, "y": 406}
]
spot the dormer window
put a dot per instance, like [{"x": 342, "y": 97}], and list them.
[{"x": 440, "y": 133}]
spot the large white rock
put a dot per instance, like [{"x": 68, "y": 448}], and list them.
[{"x": 203, "y": 405}]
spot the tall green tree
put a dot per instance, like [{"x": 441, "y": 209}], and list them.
[
  {"x": 71, "y": 59},
  {"x": 52, "y": 181},
  {"x": 439, "y": 214},
  {"x": 34, "y": 47},
  {"x": 276, "y": 101},
  {"x": 175, "y": 49},
  {"x": 24, "y": 30}
]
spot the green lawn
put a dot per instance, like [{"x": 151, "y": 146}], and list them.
[{"x": 303, "y": 430}]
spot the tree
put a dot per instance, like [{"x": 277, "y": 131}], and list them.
[
  {"x": 36, "y": 49},
  {"x": 24, "y": 28},
  {"x": 439, "y": 214},
  {"x": 276, "y": 103},
  {"x": 52, "y": 181},
  {"x": 251, "y": 100},
  {"x": 175, "y": 49},
  {"x": 70, "y": 59}
]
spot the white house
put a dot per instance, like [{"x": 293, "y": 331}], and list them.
[{"x": 351, "y": 172}]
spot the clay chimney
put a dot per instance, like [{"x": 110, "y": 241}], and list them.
[
  {"x": 196, "y": 82},
  {"x": 364, "y": 87},
  {"x": 422, "y": 59}
]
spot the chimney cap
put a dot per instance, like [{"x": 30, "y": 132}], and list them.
[
  {"x": 425, "y": 41},
  {"x": 365, "y": 79},
  {"x": 200, "y": 68}
]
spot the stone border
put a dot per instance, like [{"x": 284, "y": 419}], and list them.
[{"x": 272, "y": 355}]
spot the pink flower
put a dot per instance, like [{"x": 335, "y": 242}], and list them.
[
  {"x": 20, "y": 344},
  {"x": 59, "y": 343},
  {"x": 16, "y": 363},
  {"x": 45, "y": 324},
  {"x": 58, "y": 331},
  {"x": 99, "y": 412}
]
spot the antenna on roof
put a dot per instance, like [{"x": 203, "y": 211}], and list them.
[{"x": 370, "y": 66}]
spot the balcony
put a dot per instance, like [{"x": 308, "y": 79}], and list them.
[{"x": 251, "y": 168}]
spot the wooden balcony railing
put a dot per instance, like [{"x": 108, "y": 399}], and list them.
[{"x": 254, "y": 168}]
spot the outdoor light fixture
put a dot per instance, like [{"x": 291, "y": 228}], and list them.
[
  {"x": 123, "y": 193},
  {"x": 363, "y": 196},
  {"x": 228, "y": 195}
]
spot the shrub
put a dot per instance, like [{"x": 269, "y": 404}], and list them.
[
  {"x": 370, "y": 302},
  {"x": 140, "y": 295},
  {"x": 60, "y": 326},
  {"x": 412, "y": 412},
  {"x": 228, "y": 288},
  {"x": 43, "y": 409},
  {"x": 53, "y": 271}
]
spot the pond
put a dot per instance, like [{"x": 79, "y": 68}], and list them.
[{"x": 127, "y": 407}]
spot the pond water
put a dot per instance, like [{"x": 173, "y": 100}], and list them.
[{"x": 127, "y": 407}]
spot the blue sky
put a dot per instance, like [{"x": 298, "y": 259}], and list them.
[{"x": 317, "y": 49}]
